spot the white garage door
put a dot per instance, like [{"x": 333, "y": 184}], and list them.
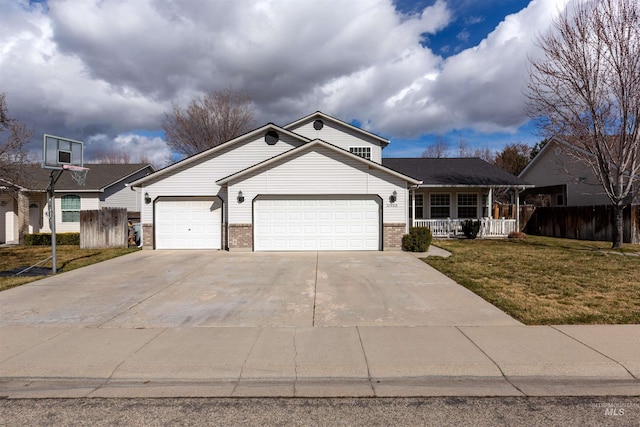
[
  {"x": 188, "y": 223},
  {"x": 316, "y": 224}
]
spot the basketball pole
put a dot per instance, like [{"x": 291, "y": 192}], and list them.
[{"x": 55, "y": 175}]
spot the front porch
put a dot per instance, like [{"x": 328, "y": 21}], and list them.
[{"x": 452, "y": 227}]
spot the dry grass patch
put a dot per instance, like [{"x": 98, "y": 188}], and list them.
[
  {"x": 69, "y": 258},
  {"x": 541, "y": 280}
]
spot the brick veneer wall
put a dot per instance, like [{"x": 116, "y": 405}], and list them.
[
  {"x": 23, "y": 216},
  {"x": 393, "y": 233},
  {"x": 240, "y": 237},
  {"x": 147, "y": 236}
]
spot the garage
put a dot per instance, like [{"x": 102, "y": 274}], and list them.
[
  {"x": 188, "y": 223},
  {"x": 317, "y": 223}
]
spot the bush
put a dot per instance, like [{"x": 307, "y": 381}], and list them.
[
  {"x": 471, "y": 228},
  {"x": 44, "y": 239},
  {"x": 418, "y": 239},
  {"x": 517, "y": 235}
]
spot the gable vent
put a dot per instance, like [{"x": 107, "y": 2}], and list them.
[
  {"x": 318, "y": 124},
  {"x": 271, "y": 137}
]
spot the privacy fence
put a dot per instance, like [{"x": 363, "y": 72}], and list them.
[
  {"x": 104, "y": 228},
  {"x": 583, "y": 222}
]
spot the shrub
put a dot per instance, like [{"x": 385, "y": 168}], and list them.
[
  {"x": 418, "y": 239},
  {"x": 517, "y": 235},
  {"x": 44, "y": 239},
  {"x": 471, "y": 228}
]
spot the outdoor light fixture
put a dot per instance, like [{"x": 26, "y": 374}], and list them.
[
  {"x": 147, "y": 198},
  {"x": 393, "y": 197},
  {"x": 240, "y": 197}
]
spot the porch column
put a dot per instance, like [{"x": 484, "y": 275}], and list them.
[
  {"x": 413, "y": 207},
  {"x": 490, "y": 203},
  {"x": 517, "y": 209}
]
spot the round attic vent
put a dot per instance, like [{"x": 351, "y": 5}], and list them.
[
  {"x": 271, "y": 137},
  {"x": 318, "y": 124}
]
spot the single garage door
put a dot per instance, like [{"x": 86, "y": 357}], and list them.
[
  {"x": 313, "y": 223},
  {"x": 188, "y": 223}
]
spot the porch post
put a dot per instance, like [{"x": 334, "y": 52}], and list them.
[
  {"x": 517, "y": 209},
  {"x": 490, "y": 203},
  {"x": 413, "y": 207}
]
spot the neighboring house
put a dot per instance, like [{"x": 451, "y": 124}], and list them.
[
  {"x": 455, "y": 189},
  {"x": 561, "y": 180},
  {"x": 315, "y": 184},
  {"x": 24, "y": 209}
]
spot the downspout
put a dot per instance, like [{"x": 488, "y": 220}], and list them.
[{"x": 517, "y": 213}]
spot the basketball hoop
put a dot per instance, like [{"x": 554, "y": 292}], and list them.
[{"x": 78, "y": 173}]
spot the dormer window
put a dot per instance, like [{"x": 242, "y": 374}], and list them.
[{"x": 361, "y": 151}]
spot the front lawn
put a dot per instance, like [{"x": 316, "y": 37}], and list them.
[
  {"x": 544, "y": 280},
  {"x": 69, "y": 258}
]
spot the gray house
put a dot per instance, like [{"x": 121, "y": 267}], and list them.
[{"x": 24, "y": 208}]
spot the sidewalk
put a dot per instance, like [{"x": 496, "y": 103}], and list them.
[{"x": 51, "y": 361}]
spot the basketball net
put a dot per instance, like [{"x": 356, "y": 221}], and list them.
[{"x": 78, "y": 173}]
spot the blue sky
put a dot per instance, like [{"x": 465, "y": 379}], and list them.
[{"x": 106, "y": 71}]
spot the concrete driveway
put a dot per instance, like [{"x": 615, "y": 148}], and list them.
[{"x": 150, "y": 289}]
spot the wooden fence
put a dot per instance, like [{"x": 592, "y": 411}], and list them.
[
  {"x": 104, "y": 228},
  {"x": 583, "y": 223}
]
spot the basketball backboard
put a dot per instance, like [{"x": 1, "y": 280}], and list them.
[{"x": 59, "y": 152}]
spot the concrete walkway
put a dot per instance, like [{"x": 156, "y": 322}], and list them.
[{"x": 136, "y": 339}]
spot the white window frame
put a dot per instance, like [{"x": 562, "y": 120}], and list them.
[
  {"x": 364, "y": 152},
  {"x": 420, "y": 205},
  {"x": 431, "y": 205},
  {"x": 67, "y": 210},
  {"x": 465, "y": 205}
]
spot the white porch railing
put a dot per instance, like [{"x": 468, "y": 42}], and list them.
[{"x": 452, "y": 227}]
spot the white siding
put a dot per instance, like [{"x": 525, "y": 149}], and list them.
[
  {"x": 341, "y": 136},
  {"x": 319, "y": 171},
  {"x": 88, "y": 201},
  {"x": 8, "y": 219},
  {"x": 199, "y": 178}
]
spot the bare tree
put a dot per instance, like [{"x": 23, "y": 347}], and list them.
[
  {"x": 513, "y": 158},
  {"x": 14, "y": 137},
  {"x": 586, "y": 89},
  {"x": 112, "y": 156},
  {"x": 211, "y": 120},
  {"x": 464, "y": 150},
  {"x": 438, "y": 149}
]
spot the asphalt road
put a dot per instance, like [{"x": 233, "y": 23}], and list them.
[{"x": 458, "y": 411}]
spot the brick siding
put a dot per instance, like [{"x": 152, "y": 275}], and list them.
[
  {"x": 393, "y": 233},
  {"x": 240, "y": 237},
  {"x": 147, "y": 236}
]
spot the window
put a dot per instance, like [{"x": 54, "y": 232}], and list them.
[
  {"x": 361, "y": 151},
  {"x": 418, "y": 202},
  {"x": 440, "y": 204},
  {"x": 559, "y": 199},
  {"x": 71, "y": 208},
  {"x": 467, "y": 205}
]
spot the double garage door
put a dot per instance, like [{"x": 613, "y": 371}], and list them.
[
  {"x": 188, "y": 223},
  {"x": 316, "y": 223}
]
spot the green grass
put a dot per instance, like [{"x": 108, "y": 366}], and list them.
[
  {"x": 68, "y": 257},
  {"x": 543, "y": 280}
]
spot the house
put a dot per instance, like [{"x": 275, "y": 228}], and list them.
[
  {"x": 456, "y": 189},
  {"x": 315, "y": 184},
  {"x": 24, "y": 208},
  {"x": 561, "y": 180}
]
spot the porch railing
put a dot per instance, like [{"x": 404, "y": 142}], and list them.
[{"x": 452, "y": 227}]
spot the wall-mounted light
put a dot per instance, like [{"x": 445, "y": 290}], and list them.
[
  {"x": 147, "y": 198},
  {"x": 393, "y": 197},
  {"x": 240, "y": 197}
]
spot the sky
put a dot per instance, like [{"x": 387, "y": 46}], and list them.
[{"x": 105, "y": 72}]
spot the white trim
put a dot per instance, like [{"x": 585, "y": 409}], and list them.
[{"x": 321, "y": 115}]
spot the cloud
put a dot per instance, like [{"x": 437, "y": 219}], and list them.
[{"x": 103, "y": 68}]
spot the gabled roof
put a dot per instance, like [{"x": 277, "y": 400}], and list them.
[
  {"x": 213, "y": 150},
  {"x": 308, "y": 146},
  {"x": 454, "y": 172},
  {"x": 322, "y": 116},
  {"x": 99, "y": 177},
  {"x": 553, "y": 140}
]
